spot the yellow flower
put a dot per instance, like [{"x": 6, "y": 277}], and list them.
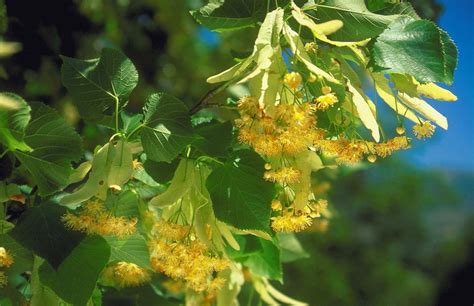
[
  {"x": 136, "y": 164},
  {"x": 326, "y": 90},
  {"x": 311, "y": 47},
  {"x": 312, "y": 78},
  {"x": 424, "y": 130},
  {"x": 392, "y": 145},
  {"x": 276, "y": 205},
  {"x": 288, "y": 222},
  {"x": 291, "y": 130},
  {"x": 96, "y": 219},
  {"x": 317, "y": 207},
  {"x": 129, "y": 274},
  {"x": 326, "y": 101},
  {"x": 400, "y": 130},
  {"x": 293, "y": 80},
  {"x": 283, "y": 176},
  {"x": 248, "y": 105},
  {"x": 174, "y": 254},
  {"x": 352, "y": 153},
  {"x": 372, "y": 158},
  {"x": 6, "y": 260}
]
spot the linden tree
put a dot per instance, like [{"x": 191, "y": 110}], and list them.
[{"x": 185, "y": 205}]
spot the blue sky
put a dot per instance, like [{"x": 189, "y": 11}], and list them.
[{"x": 454, "y": 149}]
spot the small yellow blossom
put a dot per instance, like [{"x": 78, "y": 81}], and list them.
[
  {"x": 317, "y": 207},
  {"x": 125, "y": 274},
  {"x": 283, "y": 176},
  {"x": 289, "y": 222},
  {"x": 136, "y": 164},
  {"x": 311, "y": 47},
  {"x": 424, "y": 130},
  {"x": 6, "y": 260},
  {"x": 276, "y": 205},
  {"x": 391, "y": 145},
  {"x": 372, "y": 158},
  {"x": 96, "y": 219},
  {"x": 293, "y": 80},
  {"x": 326, "y": 90},
  {"x": 326, "y": 101},
  {"x": 400, "y": 130}
]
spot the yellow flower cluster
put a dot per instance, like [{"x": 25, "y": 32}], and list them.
[
  {"x": 290, "y": 131},
  {"x": 293, "y": 80},
  {"x": 326, "y": 100},
  {"x": 290, "y": 222},
  {"x": 283, "y": 176},
  {"x": 296, "y": 221},
  {"x": 125, "y": 274},
  {"x": 175, "y": 252},
  {"x": 6, "y": 260},
  {"x": 424, "y": 130},
  {"x": 96, "y": 219},
  {"x": 353, "y": 151}
]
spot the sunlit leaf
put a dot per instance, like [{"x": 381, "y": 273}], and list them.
[
  {"x": 418, "y": 48},
  {"x": 225, "y": 15}
]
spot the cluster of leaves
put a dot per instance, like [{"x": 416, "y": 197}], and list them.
[{"x": 186, "y": 165}]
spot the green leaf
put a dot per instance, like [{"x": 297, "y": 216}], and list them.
[
  {"x": 112, "y": 165},
  {"x": 6, "y": 191},
  {"x": 130, "y": 122},
  {"x": 415, "y": 47},
  {"x": 41, "y": 230},
  {"x": 260, "y": 255},
  {"x": 97, "y": 85},
  {"x": 291, "y": 248},
  {"x": 13, "y": 123},
  {"x": 124, "y": 204},
  {"x": 214, "y": 138},
  {"x": 266, "y": 262},
  {"x": 167, "y": 127},
  {"x": 240, "y": 196},
  {"x": 388, "y": 8},
  {"x": 55, "y": 145},
  {"x": 75, "y": 279},
  {"x": 161, "y": 172},
  {"x": 226, "y": 15},
  {"x": 132, "y": 249},
  {"x": 359, "y": 22}
]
